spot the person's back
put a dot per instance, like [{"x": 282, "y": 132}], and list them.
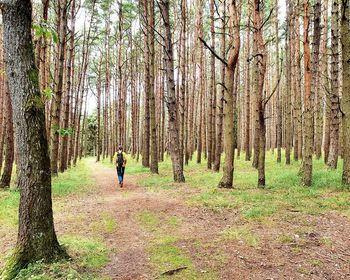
[{"x": 120, "y": 162}]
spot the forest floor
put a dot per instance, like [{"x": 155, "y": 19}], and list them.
[{"x": 153, "y": 228}]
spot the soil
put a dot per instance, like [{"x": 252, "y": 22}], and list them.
[{"x": 300, "y": 247}]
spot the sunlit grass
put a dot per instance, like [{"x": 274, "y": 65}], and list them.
[
  {"x": 74, "y": 180},
  {"x": 284, "y": 191}
]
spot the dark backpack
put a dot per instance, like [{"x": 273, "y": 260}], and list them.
[{"x": 120, "y": 160}]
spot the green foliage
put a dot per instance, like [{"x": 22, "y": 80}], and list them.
[
  {"x": 44, "y": 31},
  {"x": 47, "y": 93},
  {"x": 65, "y": 131}
]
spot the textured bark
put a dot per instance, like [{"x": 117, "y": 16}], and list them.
[
  {"x": 212, "y": 94},
  {"x": 345, "y": 42},
  {"x": 308, "y": 120},
  {"x": 174, "y": 145},
  {"x": 56, "y": 103},
  {"x": 146, "y": 123},
  {"x": 260, "y": 61},
  {"x": 9, "y": 141},
  {"x": 298, "y": 95},
  {"x": 334, "y": 95},
  {"x": 201, "y": 84},
  {"x": 220, "y": 114},
  {"x": 325, "y": 81},
  {"x": 152, "y": 102},
  {"x": 288, "y": 113},
  {"x": 69, "y": 89},
  {"x": 36, "y": 236},
  {"x": 183, "y": 87},
  {"x": 278, "y": 96},
  {"x": 315, "y": 74},
  {"x": 230, "y": 97},
  {"x": 247, "y": 94}
]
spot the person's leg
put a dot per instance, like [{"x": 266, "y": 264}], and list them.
[
  {"x": 122, "y": 175},
  {"x": 120, "y": 179}
]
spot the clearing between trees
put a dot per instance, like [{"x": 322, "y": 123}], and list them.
[{"x": 153, "y": 227}]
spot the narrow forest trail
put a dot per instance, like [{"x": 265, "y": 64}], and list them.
[{"x": 157, "y": 231}]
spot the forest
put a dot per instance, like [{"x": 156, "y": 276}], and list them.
[{"x": 230, "y": 119}]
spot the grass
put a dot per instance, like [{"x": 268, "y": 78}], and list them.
[
  {"x": 243, "y": 234},
  {"x": 74, "y": 180},
  {"x": 89, "y": 254},
  {"x": 107, "y": 223}
]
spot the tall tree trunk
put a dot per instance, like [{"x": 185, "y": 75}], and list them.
[
  {"x": 69, "y": 91},
  {"x": 315, "y": 81},
  {"x": 278, "y": 96},
  {"x": 220, "y": 114},
  {"x": 260, "y": 61},
  {"x": 152, "y": 101},
  {"x": 56, "y": 103},
  {"x": 288, "y": 114},
  {"x": 230, "y": 97},
  {"x": 36, "y": 235},
  {"x": 146, "y": 124},
  {"x": 308, "y": 120},
  {"x": 247, "y": 94},
  {"x": 345, "y": 42},
  {"x": 334, "y": 98},
  {"x": 9, "y": 158},
  {"x": 174, "y": 145}
]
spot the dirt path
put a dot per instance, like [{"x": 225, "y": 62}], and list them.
[{"x": 316, "y": 249}]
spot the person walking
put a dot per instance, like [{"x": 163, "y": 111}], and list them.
[{"x": 120, "y": 162}]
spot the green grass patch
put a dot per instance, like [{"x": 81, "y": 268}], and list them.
[
  {"x": 9, "y": 201},
  {"x": 148, "y": 219},
  {"x": 242, "y": 234},
  {"x": 74, "y": 180},
  {"x": 107, "y": 223},
  {"x": 90, "y": 253},
  {"x": 77, "y": 179}
]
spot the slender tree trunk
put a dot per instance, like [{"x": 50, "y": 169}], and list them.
[
  {"x": 334, "y": 98},
  {"x": 278, "y": 95},
  {"x": 9, "y": 158},
  {"x": 146, "y": 124},
  {"x": 36, "y": 235},
  {"x": 152, "y": 102},
  {"x": 230, "y": 97},
  {"x": 220, "y": 115},
  {"x": 69, "y": 91},
  {"x": 261, "y": 67},
  {"x": 56, "y": 103},
  {"x": 345, "y": 42},
  {"x": 315, "y": 73},
  {"x": 174, "y": 145},
  {"x": 288, "y": 114},
  {"x": 247, "y": 94},
  {"x": 308, "y": 120}
]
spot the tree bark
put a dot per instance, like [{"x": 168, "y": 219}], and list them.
[
  {"x": 345, "y": 42},
  {"x": 230, "y": 97},
  {"x": 56, "y": 103},
  {"x": 36, "y": 235},
  {"x": 308, "y": 120},
  {"x": 9, "y": 158},
  {"x": 174, "y": 145},
  {"x": 334, "y": 98}
]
